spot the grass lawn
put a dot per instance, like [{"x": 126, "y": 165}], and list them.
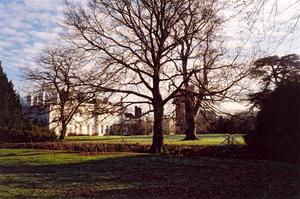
[
  {"x": 204, "y": 139},
  {"x": 27, "y": 173}
]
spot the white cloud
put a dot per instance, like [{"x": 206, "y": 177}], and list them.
[{"x": 46, "y": 36}]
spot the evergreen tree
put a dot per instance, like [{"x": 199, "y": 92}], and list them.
[
  {"x": 277, "y": 131},
  {"x": 10, "y": 106}
]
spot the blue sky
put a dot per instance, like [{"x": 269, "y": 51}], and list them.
[{"x": 28, "y": 26}]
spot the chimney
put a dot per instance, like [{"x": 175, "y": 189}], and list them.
[
  {"x": 28, "y": 100},
  {"x": 137, "y": 112}
]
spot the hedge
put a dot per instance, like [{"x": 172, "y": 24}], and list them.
[
  {"x": 219, "y": 151},
  {"x": 230, "y": 151}
]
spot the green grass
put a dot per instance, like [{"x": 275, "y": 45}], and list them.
[
  {"x": 48, "y": 174},
  {"x": 204, "y": 139}
]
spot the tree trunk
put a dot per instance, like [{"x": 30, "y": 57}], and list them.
[
  {"x": 157, "y": 141},
  {"x": 189, "y": 131},
  {"x": 63, "y": 131},
  {"x": 189, "y": 114}
]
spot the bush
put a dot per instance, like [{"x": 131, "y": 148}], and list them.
[
  {"x": 9, "y": 135},
  {"x": 277, "y": 131},
  {"x": 30, "y": 133},
  {"x": 41, "y": 134}
]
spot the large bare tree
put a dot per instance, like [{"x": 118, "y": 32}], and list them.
[{"x": 140, "y": 39}]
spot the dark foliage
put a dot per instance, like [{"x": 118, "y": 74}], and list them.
[
  {"x": 13, "y": 126},
  {"x": 278, "y": 121},
  {"x": 239, "y": 123},
  {"x": 277, "y": 131},
  {"x": 29, "y": 133},
  {"x": 222, "y": 125},
  {"x": 10, "y": 106}
]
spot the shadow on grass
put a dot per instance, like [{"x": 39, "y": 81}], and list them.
[{"x": 147, "y": 176}]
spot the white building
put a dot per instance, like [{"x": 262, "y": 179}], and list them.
[
  {"x": 86, "y": 122},
  {"x": 88, "y": 119}
]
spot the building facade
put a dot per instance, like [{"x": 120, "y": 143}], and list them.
[{"x": 89, "y": 119}]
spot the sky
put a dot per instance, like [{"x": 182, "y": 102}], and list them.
[{"x": 28, "y": 26}]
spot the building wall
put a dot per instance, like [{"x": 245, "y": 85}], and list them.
[{"x": 84, "y": 122}]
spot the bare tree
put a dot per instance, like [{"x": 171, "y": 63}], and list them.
[
  {"x": 217, "y": 81},
  {"x": 217, "y": 73},
  {"x": 57, "y": 75},
  {"x": 189, "y": 52},
  {"x": 139, "y": 39}
]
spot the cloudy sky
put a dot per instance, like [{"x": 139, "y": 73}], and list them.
[{"x": 28, "y": 26}]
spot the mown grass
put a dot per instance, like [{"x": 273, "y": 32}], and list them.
[
  {"x": 26, "y": 173},
  {"x": 204, "y": 139}
]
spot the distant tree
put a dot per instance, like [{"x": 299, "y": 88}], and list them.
[
  {"x": 223, "y": 125},
  {"x": 10, "y": 107},
  {"x": 57, "y": 73},
  {"x": 237, "y": 123}
]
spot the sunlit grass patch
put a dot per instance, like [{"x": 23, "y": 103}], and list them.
[
  {"x": 46, "y": 157},
  {"x": 204, "y": 139}
]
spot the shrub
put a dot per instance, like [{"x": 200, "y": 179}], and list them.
[
  {"x": 41, "y": 134},
  {"x": 9, "y": 135},
  {"x": 30, "y": 133}
]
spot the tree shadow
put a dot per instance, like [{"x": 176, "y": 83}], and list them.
[{"x": 147, "y": 176}]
